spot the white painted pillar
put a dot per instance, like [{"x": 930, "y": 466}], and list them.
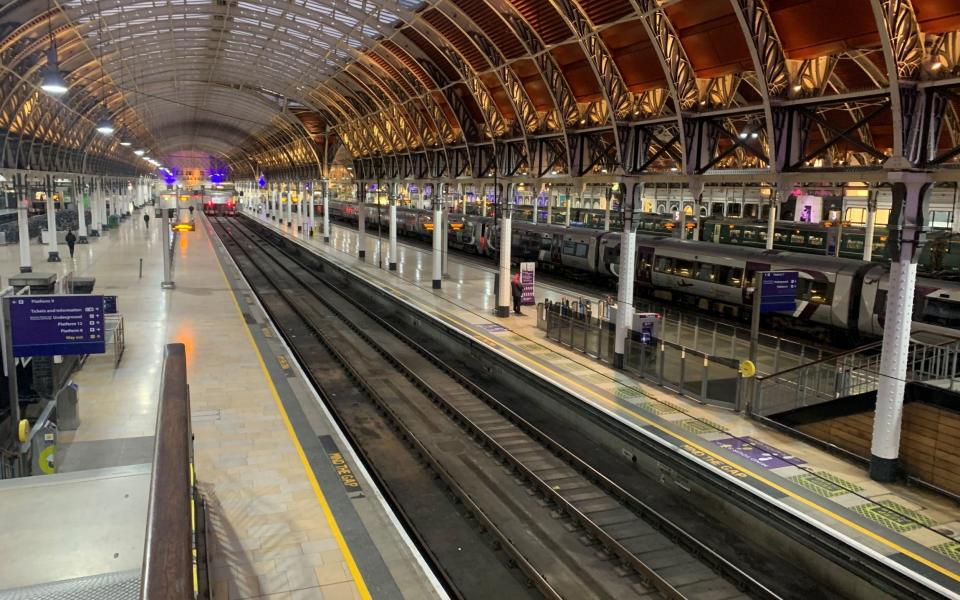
[
  {"x": 81, "y": 215},
  {"x": 310, "y": 208},
  {"x": 437, "y": 242},
  {"x": 628, "y": 255},
  {"x": 53, "y": 253},
  {"x": 94, "y": 208},
  {"x": 289, "y": 206},
  {"x": 503, "y": 293},
  {"x": 772, "y": 218},
  {"x": 326, "y": 211},
  {"x": 393, "y": 235},
  {"x": 23, "y": 203},
  {"x": 445, "y": 240},
  {"x": 871, "y": 226},
  {"x": 909, "y": 191},
  {"x": 362, "y": 227}
]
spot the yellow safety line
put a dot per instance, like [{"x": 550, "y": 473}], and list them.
[
  {"x": 522, "y": 358},
  {"x": 331, "y": 520}
]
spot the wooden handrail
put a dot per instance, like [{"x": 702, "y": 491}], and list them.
[{"x": 167, "y": 557}]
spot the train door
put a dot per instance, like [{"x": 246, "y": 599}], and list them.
[
  {"x": 713, "y": 232},
  {"x": 645, "y": 256},
  {"x": 749, "y": 272}
]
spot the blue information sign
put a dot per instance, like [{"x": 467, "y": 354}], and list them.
[
  {"x": 109, "y": 305},
  {"x": 778, "y": 291},
  {"x": 48, "y": 325}
]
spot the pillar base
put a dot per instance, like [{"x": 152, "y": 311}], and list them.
[
  {"x": 53, "y": 257},
  {"x": 26, "y": 269},
  {"x": 436, "y": 284},
  {"x": 502, "y": 312},
  {"x": 393, "y": 266},
  {"x": 167, "y": 285},
  {"x": 617, "y": 360},
  {"x": 326, "y": 239},
  {"x": 299, "y": 228},
  {"x": 884, "y": 470},
  {"x": 289, "y": 223},
  {"x": 363, "y": 254},
  {"x": 94, "y": 233},
  {"x": 310, "y": 233},
  {"x": 83, "y": 240}
]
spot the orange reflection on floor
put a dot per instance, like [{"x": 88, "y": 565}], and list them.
[{"x": 185, "y": 335}]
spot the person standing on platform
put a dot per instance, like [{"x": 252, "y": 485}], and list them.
[
  {"x": 146, "y": 220},
  {"x": 516, "y": 290},
  {"x": 71, "y": 240}
]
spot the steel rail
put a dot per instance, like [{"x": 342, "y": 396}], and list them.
[
  {"x": 680, "y": 537},
  {"x": 503, "y": 539}
]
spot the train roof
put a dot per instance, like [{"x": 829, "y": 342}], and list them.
[{"x": 723, "y": 252}]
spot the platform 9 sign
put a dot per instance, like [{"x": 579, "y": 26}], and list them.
[{"x": 57, "y": 325}]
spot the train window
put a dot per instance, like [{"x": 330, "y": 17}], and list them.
[
  {"x": 941, "y": 218},
  {"x": 706, "y": 272},
  {"x": 733, "y": 210},
  {"x": 815, "y": 240},
  {"x": 664, "y": 265},
  {"x": 779, "y": 237},
  {"x": 856, "y": 216},
  {"x": 735, "y": 235},
  {"x": 942, "y": 312},
  {"x": 582, "y": 250},
  {"x": 883, "y": 217},
  {"x": 546, "y": 242},
  {"x": 797, "y": 239},
  {"x": 816, "y": 292},
  {"x": 855, "y": 244},
  {"x": 683, "y": 268},
  {"x": 569, "y": 247},
  {"x": 749, "y": 234},
  {"x": 725, "y": 275}
]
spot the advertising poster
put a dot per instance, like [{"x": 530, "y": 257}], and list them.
[{"x": 527, "y": 277}]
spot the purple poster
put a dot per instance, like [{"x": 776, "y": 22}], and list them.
[
  {"x": 756, "y": 451},
  {"x": 527, "y": 276}
]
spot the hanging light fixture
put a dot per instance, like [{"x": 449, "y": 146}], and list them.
[
  {"x": 104, "y": 126},
  {"x": 52, "y": 80}
]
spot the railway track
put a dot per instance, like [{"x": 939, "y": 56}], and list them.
[{"x": 570, "y": 531}]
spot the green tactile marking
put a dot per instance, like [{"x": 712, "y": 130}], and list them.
[
  {"x": 700, "y": 426},
  {"x": 597, "y": 378},
  {"x": 893, "y": 516},
  {"x": 658, "y": 408},
  {"x": 825, "y": 484},
  {"x": 950, "y": 550},
  {"x": 626, "y": 393}
]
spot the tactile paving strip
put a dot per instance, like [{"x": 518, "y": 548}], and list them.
[
  {"x": 825, "y": 484},
  {"x": 893, "y": 516},
  {"x": 109, "y": 586}
]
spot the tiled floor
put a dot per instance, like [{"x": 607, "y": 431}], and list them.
[
  {"x": 930, "y": 520},
  {"x": 274, "y": 535}
]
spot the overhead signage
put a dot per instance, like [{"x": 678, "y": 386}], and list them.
[
  {"x": 52, "y": 325},
  {"x": 778, "y": 291}
]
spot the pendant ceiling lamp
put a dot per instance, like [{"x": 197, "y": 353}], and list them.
[
  {"x": 104, "y": 126},
  {"x": 52, "y": 80}
]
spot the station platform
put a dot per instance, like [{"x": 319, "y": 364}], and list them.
[
  {"x": 908, "y": 528},
  {"x": 292, "y": 513}
]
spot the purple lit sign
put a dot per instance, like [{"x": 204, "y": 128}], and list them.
[{"x": 49, "y": 325}]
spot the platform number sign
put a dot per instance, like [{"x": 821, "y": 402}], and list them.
[
  {"x": 57, "y": 325},
  {"x": 778, "y": 291}
]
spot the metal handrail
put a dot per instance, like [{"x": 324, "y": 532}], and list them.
[
  {"x": 832, "y": 357},
  {"x": 167, "y": 558}
]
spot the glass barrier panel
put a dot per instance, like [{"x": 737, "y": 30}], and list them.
[{"x": 722, "y": 384}]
